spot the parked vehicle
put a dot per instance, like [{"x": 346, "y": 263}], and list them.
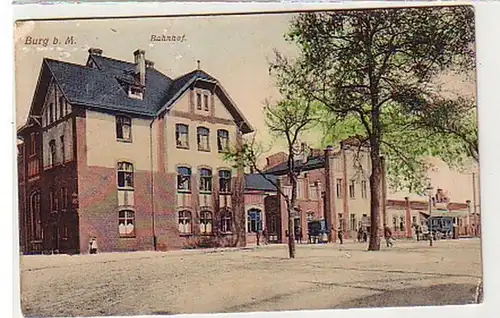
[
  {"x": 317, "y": 231},
  {"x": 442, "y": 226}
]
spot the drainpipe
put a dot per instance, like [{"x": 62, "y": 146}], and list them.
[{"x": 152, "y": 182}]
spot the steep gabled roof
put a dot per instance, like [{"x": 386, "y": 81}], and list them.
[
  {"x": 101, "y": 89},
  {"x": 104, "y": 87}
]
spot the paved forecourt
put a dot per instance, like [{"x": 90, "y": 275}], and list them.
[{"x": 251, "y": 279}]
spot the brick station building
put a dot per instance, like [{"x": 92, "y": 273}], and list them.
[{"x": 119, "y": 151}]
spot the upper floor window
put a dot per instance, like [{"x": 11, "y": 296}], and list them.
[
  {"x": 126, "y": 220},
  {"x": 123, "y": 128},
  {"x": 63, "y": 152},
  {"x": 363, "y": 189},
  {"x": 203, "y": 139},
  {"x": 205, "y": 180},
  {"x": 205, "y": 102},
  {"x": 52, "y": 153},
  {"x": 339, "y": 188},
  {"x": 182, "y": 136},
  {"x": 184, "y": 179},
  {"x": 225, "y": 181},
  {"x": 198, "y": 101},
  {"x": 222, "y": 140},
  {"x": 51, "y": 113},
  {"x": 310, "y": 216},
  {"x": 62, "y": 106},
  {"x": 125, "y": 175},
  {"x": 33, "y": 144},
  {"x": 352, "y": 189}
]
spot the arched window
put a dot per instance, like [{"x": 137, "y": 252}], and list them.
[
  {"x": 126, "y": 223},
  {"x": 226, "y": 221},
  {"x": 184, "y": 222},
  {"x": 206, "y": 222},
  {"x": 36, "y": 217},
  {"x": 254, "y": 221},
  {"x": 183, "y": 179},
  {"x": 125, "y": 175},
  {"x": 224, "y": 181},
  {"x": 203, "y": 139},
  {"x": 205, "y": 180},
  {"x": 310, "y": 216}
]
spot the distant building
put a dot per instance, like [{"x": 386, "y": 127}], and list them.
[
  {"x": 334, "y": 185},
  {"x": 119, "y": 151}
]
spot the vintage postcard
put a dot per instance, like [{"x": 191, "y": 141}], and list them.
[{"x": 248, "y": 162}]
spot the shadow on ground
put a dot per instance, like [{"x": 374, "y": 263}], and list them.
[{"x": 437, "y": 295}]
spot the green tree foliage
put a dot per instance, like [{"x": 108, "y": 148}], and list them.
[
  {"x": 370, "y": 69},
  {"x": 289, "y": 120}
]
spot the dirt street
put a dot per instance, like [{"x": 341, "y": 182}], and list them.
[{"x": 252, "y": 279}]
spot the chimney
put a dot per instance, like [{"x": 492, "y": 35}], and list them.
[
  {"x": 150, "y": 64},
  {"x": 95, "y": 51},
  {"x": 140, "y": 67}
]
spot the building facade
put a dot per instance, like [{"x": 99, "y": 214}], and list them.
[
  {"x": 334, "y": 185},
  {"x": 119, "y": 151}
]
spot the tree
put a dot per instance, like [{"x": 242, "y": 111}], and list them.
[
  {"x": 374, "y": 66},
  {"x": 288, "y": 120}
]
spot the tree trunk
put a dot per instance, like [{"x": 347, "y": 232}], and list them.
[
  {"x": 291, "y": 235},
  {"x": 375, "y": 179}
]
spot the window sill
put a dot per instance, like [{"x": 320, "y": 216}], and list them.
[
  {"x": 225, "y": 193},
  {"x": 124, "y": 140},
  {"x": 125, "y": 189},
  {"x": 185, "y": 234},
  {"x": 205, "y": 192},
  {"x": 183, "y": 191},
  {"x": 226, "y": 233},
  {"x": 127, "y": 236},
  {"x": 204, "y": 150},
  {"x": 182, "y": 147},
  {"x": 207, "y": 234}
]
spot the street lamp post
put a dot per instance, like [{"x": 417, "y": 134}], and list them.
[{"x": 429, "y": 193}]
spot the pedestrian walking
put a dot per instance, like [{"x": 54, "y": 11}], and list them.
[
  {"x": 340, "y": 235},
  {"x": 257, "y": 235},
  {"x": 264, "y": 236},
  {"x": 360, "y": 234},
  {"x": 365, "y": 235},
  {"x": 388, "y": 236},
  {"x": 93, "y": 245}
]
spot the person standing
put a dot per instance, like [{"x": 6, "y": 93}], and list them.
[
  {"x": 93, "y": 245},
  {"x": 388, "y": 236},
  {"x": 340, "y": 235}
]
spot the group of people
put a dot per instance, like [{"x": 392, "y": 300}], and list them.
[{"x": 362, "y": 234}]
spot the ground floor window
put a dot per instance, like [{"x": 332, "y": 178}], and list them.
[
  {"x": 126, "y": 220},
  {"x": 254, "y": 221},
  {"x": 184, "y": 222},
  {"x": 226, "y": 222},
  {"x": 401, "y": 223},
  {"x": 206, "y": 222}
]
